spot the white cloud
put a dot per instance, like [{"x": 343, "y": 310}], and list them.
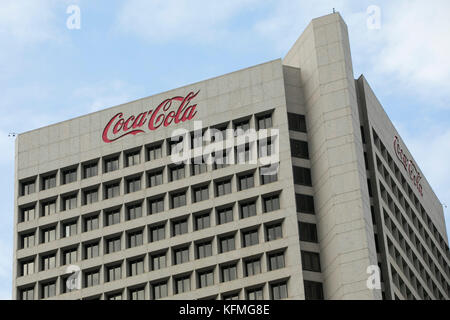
[{"x": 167, "y": 20}]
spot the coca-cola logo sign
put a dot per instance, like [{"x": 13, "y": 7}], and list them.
[
  {"x": 173, "y": 110},
  {"x": 408, "y": 164}
]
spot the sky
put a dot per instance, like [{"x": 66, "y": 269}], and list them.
[{"x": 51, "y": 70}]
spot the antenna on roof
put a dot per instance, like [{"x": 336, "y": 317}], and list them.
[
  {"x": 444, "y": 205},
  {"x": 334, "y": 10},
  {"x": 12, "y": 134}
]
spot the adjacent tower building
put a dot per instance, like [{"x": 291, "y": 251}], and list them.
[{"x": 103, "y": 210}]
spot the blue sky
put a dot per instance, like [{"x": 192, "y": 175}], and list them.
[{"x": 130, "y": 49}]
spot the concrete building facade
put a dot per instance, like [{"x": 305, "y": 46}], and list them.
[{"x": 102, "y": 210}]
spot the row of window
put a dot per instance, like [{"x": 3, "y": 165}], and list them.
[{"x": 180, "y": 254}]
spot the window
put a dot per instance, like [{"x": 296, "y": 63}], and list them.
[
  {"x": 48, "y": 208},
  {"x": 313, "y": 290},
  {"x": 225, "y": 215},
  {"x": 264, "y": 121},
  {"x": 156, "y": 205},
  {"x": 178, "y": 199},
  {"x": 243, "y": 125},
  {"x": 179, "y": 227},
  {"x": 133, "y": 184},
  {"x": 28, "y": 187},
  {"x": 248, "y": 209},
  {"x": 198, "y": 166},
  {"x": 133, "y": 158},
  {"x": 181, "y": 255},
  {"x": 70, "y": 256},
  {"x": 204, "y": 250},
  {"x": 175, "y": 144},
  {"x": 135, "y": 239},
  {"x": 268, "y": 175},
  {"x": 308, "y": 232},
  {"x": 255, "y": 294},
  {"x": 69, "y": 229},
  {"x": 274, "y": 232},
  {"x": 271, "y": 203},
  {"x": 201, "y": 193},
  {"x": 70, "y": 202},
  {"x": 49, "y": 182},
  {"x": 114, "y": 296},
  {"x": 182, "y": 284},
  {"x": 279, "y": 291},
  {"x": 304, "y": 203},
  {"x": 113, "y": 273},
  {"x": 112, "y": 190},
  {"x": 231, "y": 296},
  {"x": 69, "y": 175},
  {"x": 90, "y": 196},
  {"x": 267, "y": 147},
  {"x": 302, "y": 176},
  {"x": 27, "y": 214},
  {"x": 176, "y": 172},
  {"x": 26, "y": 267},
  {"x": 113, "y": 244},
  {"x": 223, "y": 187},
  {"x": 112, "y": 217},
  {"x": 229, "y": 272},
  {"x": 157, "y": 233},
  {"x": 276, "y": 261},
  {"x": 158, "y": 261},
  {"x": 91, "y": 250},
  {"x": 197, "y": 139},
  {"x": 220, "y": 159},
  {"x": 90, "y": 170},
  {"x": 91, "y": 223},
  {"x": 202, "y": 221},
  {"x": 310, "y": 261},
  {"x": 134, "y": 211},
  {"x": 27, "y": 294},
  {"x": 243, "y": 153},
  {"x": 296, "y": 122},
  {"x": 155, "y": 178},
  {"x": 205, "y": 278},
  {"x": 137, "y": 293},
  {"x": 227, "y": 243},
  {"x": 250, "y": 238},
  {"x": 218, "y": 133},
  {"x": 48, "y": 262},
  {"x": 27, "y": 240},
  {"x": 159, "y": 290},
  {"x": 299, "y": 149},
  {"x": 136, "y": 267},
  {"x": 111, "y": 164},
  {"x": 154, "y": 152},
  {"x": 48, "y": 290},
  {"x": 91, "y": 278},
  {"x": 48, "y": 234},
  {"x": 246, "y": 181},
  {"x": 252, "y": 267}
]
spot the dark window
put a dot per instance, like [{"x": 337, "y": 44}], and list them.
[
  {"x": 27, "y": 240},
  {"x": 26, "y": 267},
  {"x": 266, "y": 147},
  {"x": 176, "y": 145},
  {"x": 227, "y": 243},
  {"x": 28, "y": 187},
  {"x": 48, "y": 234},
  {"x": 205, "y": 278},
  {"x": 296, "y": 122},
  {"x": 137, "y": 293},
  {"x": 225, "y": 215},
  {"x": 299, "y": 149},
  {"x": 133, "y": 158},
  {"x": 264, "y": 121},
  {"x": 246, "y": 181},
  {"x": 204, "y": 249},
  {"x": 267, "y": 175},
  {"x": 302, "y": 176},
  {"x": 91, "y": 223},
  {"x": 363, "y": 137},
  {"x": 91, "y": 250},
  {"x": 112, "y": 217},
  {"x": 69, "y": 175},
  {"x": 250, "y": 238},
  {"x": 276, "y": 261},
  {"x": 229, "y": 272},
  {"x": 49, "y": 182},
  {"x": 218, "y": 133},
  {"x": 248, "y": 209},
  {"x": 369, "y": 187},
  {"x": 48, "y": 290},
  {"x": 27, "y": 214},
  {"x": 313, "y": 290},
  {"x": 178, "y": 199},
  {"x": 155, "y": 178},
  {"x": 48, "y": 207},
  {"x": 133, "y": 184},
  {"x": 113, "y": 273},
  {"x": 198, "y": 166},
  {"x": 243, "y": 125},
  {"x": 70, "y": 202},
  {"x": 197, "y": 139},
  {"x": 158, "y": 261},
  {"x": 159, "y": 290},
  {"x": 90, "y": 170},
  {"x": 176, "y": 172},
  {"x": 70, "y": 256},
  {"x": 279, "y": 291},
  {"x": 181, "y": 255},
  {"x": 90, "y": 196},
  {"x": 48, "y": 262},
  {"x": 157, "y": 233},
  {"x": 135, "y": 267},
  {"x": 112, "y": 190},
  {"x": 182, "y": 284},
  {"x": 220, "y": 159},
  {"x": 252, "y": 267},
  {"x": 27, "y": 294},
  {"x": 310, "y": 261},
  {"x": 201, "y": 193},
  {"x": 223, "y": 187},
  {"x": 69, "y": 229},
  {"x": 304, "y": 203},
  {"x": 255, "y": 294},
  {"x": 179, "y": 227},
  {"x": 113, "y": 245},
  {"x": 231, "y": 296},
  {"x": 308, "y": 232},
  {"x": 134, "y": 211},
  {"x": 271, "y": 203},
  {"x": 111, "y": 164},
  {"x": 154, "y": 152},
  {"x": 156, "y": 205},
  {"x": 92, "y": 278},
  {"x": 243, "y": 154},
  {"x": 274, "y": 232},
  {"x": 202, "y": 221},
  {"x": 135, "y": 239}
]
